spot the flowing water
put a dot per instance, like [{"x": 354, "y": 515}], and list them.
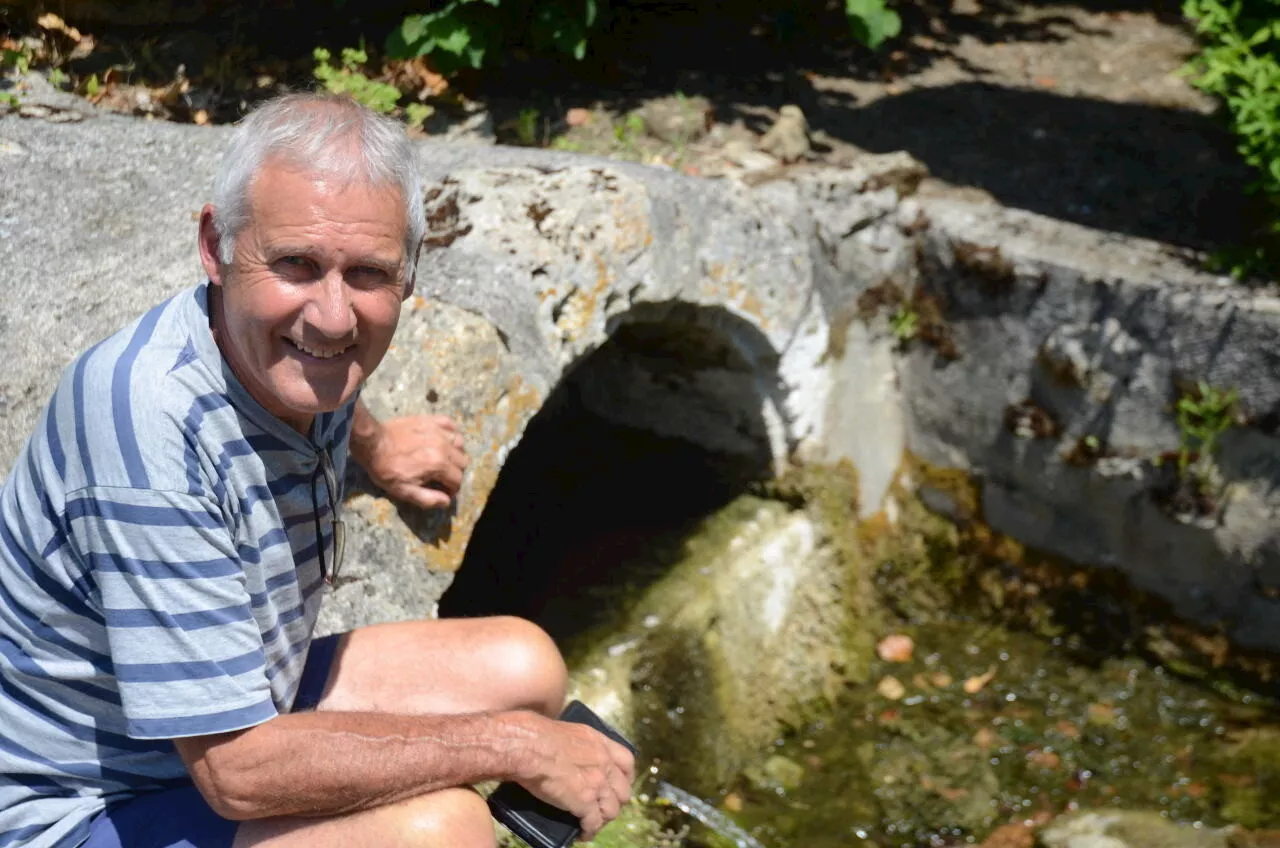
[
  {"x": 984, "y": 725},
  {"x": 1039, "y": 732},
  {"x": 718, "y": 822}
]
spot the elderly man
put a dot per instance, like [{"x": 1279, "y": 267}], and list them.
[{"x": 167, "y": 528}]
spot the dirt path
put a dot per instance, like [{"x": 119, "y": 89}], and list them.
[{"x": 1076, "y": 112}]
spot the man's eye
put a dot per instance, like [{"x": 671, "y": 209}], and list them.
[{"x": 368, "y": 274}]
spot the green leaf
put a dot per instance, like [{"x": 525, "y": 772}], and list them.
[{"x": 872, "y": 22}]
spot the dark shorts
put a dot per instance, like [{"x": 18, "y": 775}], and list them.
[{"x": 180, "y": 818}]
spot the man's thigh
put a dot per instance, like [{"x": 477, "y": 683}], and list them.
[{"x": 457, "y": 665}]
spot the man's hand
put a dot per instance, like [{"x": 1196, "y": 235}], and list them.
[
  {"x": 417, "y": 459},
  {"x": 579, "y": 769}
]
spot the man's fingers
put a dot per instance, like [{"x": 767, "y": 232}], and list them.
[
  {"x": 620, "y": 785},
  {"x": 624, "y": 760},
  {"x": 423, "y": 497},
  {"x": 449, "y": 473},
  {"x": 610, "y": 805},
  {"x": 591, "y": 824},
  {"x": 444, "y": 422}
]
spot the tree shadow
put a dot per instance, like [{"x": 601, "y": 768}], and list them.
[{"x": 1157, "y": 173}]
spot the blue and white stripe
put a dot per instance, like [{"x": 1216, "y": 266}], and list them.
[{"x": 158, "y": 572}]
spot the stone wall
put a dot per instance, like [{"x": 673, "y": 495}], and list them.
[{"x": 535, "y": 259}]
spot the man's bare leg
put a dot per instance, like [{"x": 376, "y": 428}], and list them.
[
  {"x": 426, "y": 667},
  {"x": 450, "y": 818}
]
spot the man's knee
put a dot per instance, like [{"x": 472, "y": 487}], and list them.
[
  {"x": 529, "y": 663},
  {"x": 450, "y": 818}
]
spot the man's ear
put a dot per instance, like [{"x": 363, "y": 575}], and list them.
[{"x": 210, "y": 244}]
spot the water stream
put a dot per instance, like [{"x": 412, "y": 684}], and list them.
[{"x": 984, "y": 725}]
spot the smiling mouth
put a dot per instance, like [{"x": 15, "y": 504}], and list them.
[{"x": 320, "y": 353}]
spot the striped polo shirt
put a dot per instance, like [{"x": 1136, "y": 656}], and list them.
[{"x": 159, "y": 575}]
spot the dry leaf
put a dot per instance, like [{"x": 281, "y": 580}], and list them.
[
  {"x": 1191, "y": 789},
  {"x": 986, "y": 739},
  {"x": 577, "y": 117},
  {"x": 927, "y": 783},
  {"x": 1068, "y": 729},
  {"x": 53, "y": 23},
  {"x": 974, "y": 685},
  {"x": 1102, "y": 714},
  {"x": 891, "y": 687},
  {"x": 1010, "y": 836},
  {"x": 941, "y": 679},
  {"x": 732, "y": 802},
  {"x": 1044, "y": 759},
  {"x": 896, "y": 648}
]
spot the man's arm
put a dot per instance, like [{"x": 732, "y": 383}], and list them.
[
  {"x": 333, "y": 763},
  {"x": 418, "y": 459}
]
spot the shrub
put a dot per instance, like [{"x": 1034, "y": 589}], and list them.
[
  {"x": 1240, "y": 63},
  {"x": 349, "y": 78},
  {"x": 469, "y": 33},
  {"x": 464, "y": 33}
]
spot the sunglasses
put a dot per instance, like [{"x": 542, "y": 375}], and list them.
[{"x": 338, "y": 527}]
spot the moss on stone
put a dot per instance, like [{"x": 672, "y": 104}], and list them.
[{"x": 1251, "y": 797}]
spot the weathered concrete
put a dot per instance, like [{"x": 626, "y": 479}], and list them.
[
  {"x": 1102, "y": 335},
  {"x": 531, "y": 262},
  {"x": 535, "y": 259}
]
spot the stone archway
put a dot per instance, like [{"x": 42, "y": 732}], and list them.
[{"x": 674, "y": 416}]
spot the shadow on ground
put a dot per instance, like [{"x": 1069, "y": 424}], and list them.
[
  {"x": 1162, "y": 174},
  {"x": 1130, "y": 168}
]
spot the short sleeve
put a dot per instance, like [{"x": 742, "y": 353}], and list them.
[{"x": 186, "y": 650}]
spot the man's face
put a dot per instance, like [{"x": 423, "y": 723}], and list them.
[{"x": 311, "y": 299}]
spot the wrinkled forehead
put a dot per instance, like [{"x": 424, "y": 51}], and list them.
[{"x": 285, "y": 186}]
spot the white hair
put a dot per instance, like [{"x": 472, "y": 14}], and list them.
[{"x": 319, "y": 133}]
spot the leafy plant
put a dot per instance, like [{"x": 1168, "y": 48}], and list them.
[
  {"x": 557, "y": 27},
  {"x": 416, "y": 113},
  {"x": 467, "y": 33},
  {"x": 872, "y": 21},
  {"x": 1240, "y": 63},
  {"x": 527, "y": 127},
  {"x": 350, "y": 79},
  {"x": 904, "y": 324},
  {"x": 17, "y": 60},
  {"x": 1203, "y": 416}
]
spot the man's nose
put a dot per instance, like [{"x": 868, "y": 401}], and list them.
[{"x": 330, "y": 311}]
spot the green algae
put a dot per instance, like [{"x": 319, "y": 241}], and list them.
[
  {"x": 1099, "y": 699},
  {"x": 1046, "y": 734}
]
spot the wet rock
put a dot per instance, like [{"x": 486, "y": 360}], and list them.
[
  {"x": 928, "y": 775},
  {"x": 775, "y": 773},
  {"x": 1126, "y": 829},
  {"x": 1250, "y": 766},
  {"x": 1011, "y": 836},
  {"x": 1240, "y": 838}
]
